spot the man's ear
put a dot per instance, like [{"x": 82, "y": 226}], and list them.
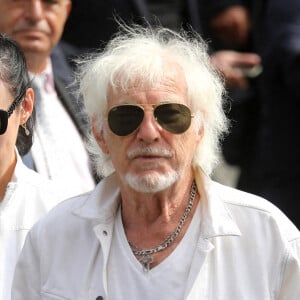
[
  {"x": 69, "y": 7},
  {"x": 200, "y": 129},
  {"x": 99, "y": 136},
  {"x": 200, "y": 133}
]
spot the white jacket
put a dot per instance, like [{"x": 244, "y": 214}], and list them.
[
  {"x": 247, "y": 249},
  {"x": 28, "y": 197}
]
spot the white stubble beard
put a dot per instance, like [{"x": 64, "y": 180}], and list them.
[{"x": 151, "y": 183}]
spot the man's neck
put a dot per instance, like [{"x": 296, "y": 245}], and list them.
[{"x": 36, "y": 64}]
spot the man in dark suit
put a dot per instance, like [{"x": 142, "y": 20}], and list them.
[
  {"x": 58, "y": 150},
  {"x": 266, "y": 143},
  {"x": 273, "y": 169},
  {"x": 94, "y": 20}
]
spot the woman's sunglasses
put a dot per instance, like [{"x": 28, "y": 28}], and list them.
[
  {"x": 4, "y": 115},
  {"x": 126, "y": 118}
]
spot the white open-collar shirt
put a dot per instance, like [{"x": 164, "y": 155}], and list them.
[{"x": 247, "y": 249}]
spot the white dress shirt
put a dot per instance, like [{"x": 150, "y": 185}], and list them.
[
  {"x": 168, "y": 278},
  {"x": 246, "y": 249},
  {"x": 58, "y": 150}
]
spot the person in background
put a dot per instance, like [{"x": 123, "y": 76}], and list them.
[
  {"x": 265, "y": 149},
  {"x": 58, "y": 151},
  {"x": 25, "y": 196},
  {"x": 157, "y": 226},
  {"x": 273, "y": 169},
  {"x": 95, "y": 21},
  {"x": 227, "y": 27}
]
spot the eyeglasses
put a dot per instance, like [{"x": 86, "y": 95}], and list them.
[
  {"x": 4, "y": 115},
  {"x": 126, "y": 118}
]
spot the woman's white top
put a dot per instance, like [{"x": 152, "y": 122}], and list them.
[{"x": 28, "y": 197}]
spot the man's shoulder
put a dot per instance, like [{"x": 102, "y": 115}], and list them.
[
  {"x": 67, "y": 207},
  {"x": 96, "y": 206},
  {"x": 62, "y": 58},
  {"x": 249, "y": 208},
  {"x": 60, "y": 217},
  {"x": 238, "y": 197}
]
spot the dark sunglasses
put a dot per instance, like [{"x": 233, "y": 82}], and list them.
[
  {"x": 4, "y": 115},
  {"x": 126, "y": 118}
]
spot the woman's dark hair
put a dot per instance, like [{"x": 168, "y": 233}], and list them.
[{"x": 13, "y": 72}]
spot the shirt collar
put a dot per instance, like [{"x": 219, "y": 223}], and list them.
[
  {"x": 216, "y": 219},
  {"x": 45, "y": 79},
  {"x": 102, "y": 202}
]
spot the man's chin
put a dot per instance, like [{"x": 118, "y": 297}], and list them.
[
  {"x": 32, "y": 44},
  {"x": 151, "y": 183},
  {"x": 33, "y": 48}
]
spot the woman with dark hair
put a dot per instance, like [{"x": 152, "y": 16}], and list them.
[{"x": 24, "y": 195}]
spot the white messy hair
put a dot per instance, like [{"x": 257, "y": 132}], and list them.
[{"x": 137, "y": 54}]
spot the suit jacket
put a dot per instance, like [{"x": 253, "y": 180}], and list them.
[
  {"x": 91, "y": 22},
  {"x": 62, "y": 65},
  {"x": 278, "y": 140},
  {"x": 63, "y": 70},
  {"x": 272, "y": 170}
]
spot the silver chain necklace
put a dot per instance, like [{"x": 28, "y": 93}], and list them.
[{"x": 146, "y": 258}]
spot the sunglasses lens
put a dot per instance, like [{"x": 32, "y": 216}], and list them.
[
  {"x": 125, "y": 119},
  {"x": 3, "y": 121},
  {"x": 174, "y": 117}
]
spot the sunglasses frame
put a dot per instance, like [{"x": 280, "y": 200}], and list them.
[
  {"x": 154, "y": 107},
  {"x": 5, "y": 114}
]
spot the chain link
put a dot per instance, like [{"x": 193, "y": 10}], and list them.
[{"x": 170, "y": 239}]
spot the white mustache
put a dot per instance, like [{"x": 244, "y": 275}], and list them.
[
  {"x": 39, "y": 26},
  {"x": 149, "y": 151}
]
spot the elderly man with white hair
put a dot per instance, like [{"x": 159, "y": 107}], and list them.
[{"x": 157, "y": 227}]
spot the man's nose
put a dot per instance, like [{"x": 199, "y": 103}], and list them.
[
  {"x": 34, "y": 10},
  {"x": 149, "y": 129}
]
